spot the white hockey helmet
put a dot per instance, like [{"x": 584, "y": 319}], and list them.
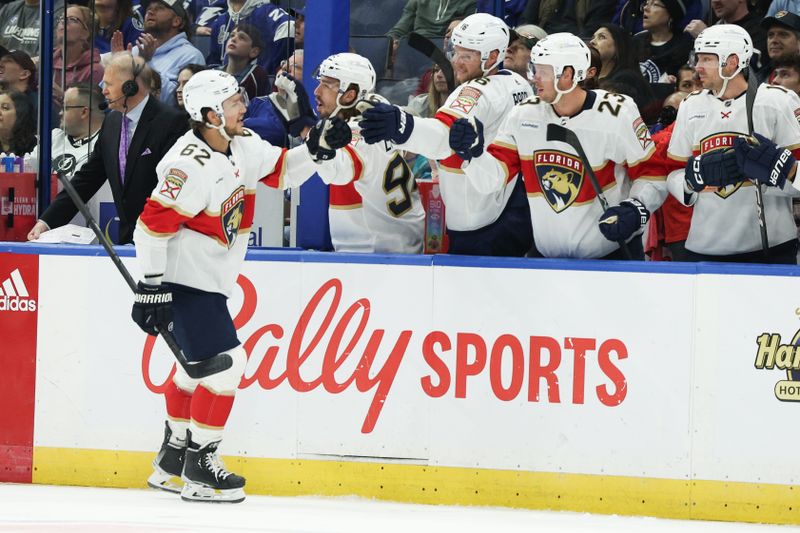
[
  {"x": 208, "y": 89},
  {"x": 484, "y": 33},
  {"x": 562, "y": 50},
  {"x": 349, "y": 69},
  {"x": 725, "y": 40}
]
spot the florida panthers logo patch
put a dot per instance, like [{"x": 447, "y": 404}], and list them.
[
  {"x": 560, "y": 176},
  {"x": 721, "y": 141},
  {"x": 231, "y": 215}
]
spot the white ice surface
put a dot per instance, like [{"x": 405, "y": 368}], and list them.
[{"x": 35, "y": 508}]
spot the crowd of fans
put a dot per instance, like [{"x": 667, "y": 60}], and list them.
[{"x": 642, "y": 49}]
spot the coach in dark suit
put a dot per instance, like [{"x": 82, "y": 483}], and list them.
[{"x": 152, "y": 129}]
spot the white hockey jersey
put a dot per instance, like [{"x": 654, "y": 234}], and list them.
[
  {"x": 374, "y": 203},
  {"x": 69, "y": 155},
  {"x": 470, "y": 205},
  {"x": 725, "y": 220},
  {"x": 565, "y": 210},
  {"x": 194, "y": 226}
]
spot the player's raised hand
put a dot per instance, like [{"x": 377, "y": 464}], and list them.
[
  {"x": 385, "y": 122},
  {"x": 714, "y": 169},
  {"x": 620, "y": 222},
  {"x": 152, "y": 307},
  {"x": 765, "y": 162},
  {"x": 466, "y": 138}
]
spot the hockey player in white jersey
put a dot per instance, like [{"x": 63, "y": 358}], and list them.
[
  {"x": 191, "y": 240},
  {"x": 374, "y": 203},
  {"x": 725, "y": 222},
  {"x": 567, "y": 216},
  {"x": 480, "y": 220}
]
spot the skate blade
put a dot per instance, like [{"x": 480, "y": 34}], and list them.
[
  {"x": 192, "y": 492},
  {"x": 163, "y": 481}
]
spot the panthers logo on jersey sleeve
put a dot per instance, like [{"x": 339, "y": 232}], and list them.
[
  {"x": 231, "y": 215},
  {"x": 713, "y": 143},
  {"x": 560, "y": 177}
]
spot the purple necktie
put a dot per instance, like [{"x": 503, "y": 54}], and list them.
[{"x": 124, "y": 141}]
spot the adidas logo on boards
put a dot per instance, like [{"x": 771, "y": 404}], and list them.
[{"x": 14, "y": 294}]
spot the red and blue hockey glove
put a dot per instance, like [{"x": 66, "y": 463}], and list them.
[
  {"x": 765, "y": 162},
  {"x": 384, "y": 122},
  {"x": 466, "y": 138},
  {"x": 152, "y": 307},
  {"x": 620, "y": 222}
]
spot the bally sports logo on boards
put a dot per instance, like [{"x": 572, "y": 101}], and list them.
[
  {"x": 332, "y": 328},
  {"x": 772, "y": 353},
  {"x": 14, "y": 295}
]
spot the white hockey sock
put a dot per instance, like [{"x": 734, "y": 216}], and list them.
[
  {"x": 203, "y": 435},
  {"x": 178, "y": 437}
]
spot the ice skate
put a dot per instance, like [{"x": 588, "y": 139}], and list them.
[
  {"x": 168, "y": 466},
  {"x": 206, "y": 479}
]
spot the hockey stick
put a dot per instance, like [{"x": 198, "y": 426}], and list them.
[
  {"x": 195, "y": 369},
  {"x": 750, "y": 98},
  {"x": 555, "y": 132},
  {"x": 426, "y": 47}
]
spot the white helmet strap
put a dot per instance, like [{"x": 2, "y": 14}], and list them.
[{"x": 725, "y": 79}]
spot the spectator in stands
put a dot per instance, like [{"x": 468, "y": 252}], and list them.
[
  {"x": 79, "y": 62},
  {"x": 283, "y": 113},
  {"x": 786, "y": 72},
  {"x": 736, "y": 12},
  {"x": 274, "y": 24},
  {"x": 242, "y": 51},
  {"x": 595, "y": 64},
  {"x": 299, "y": 14},
  {"x": 74, "y": 141},
  {"x": 294, "y": 65},
  {"x": 776, "y": 6},
  {"x": 183, "y": 76},
  {"x": 155, "y": 84},
  {"x": 17, "y": 124},
  {"x": 429, "y": 18},
  {"x": 687, "y": 81},
  {"x": 167, "y": 22},
  {"x": 426, "y": 105},
  {"x": 668, "y": 46},
  {"x": 630, "y": 14},
  {"x": 19, "y": 25},
  {"x": 18, "y": 73},
  {"x": 579, "y": 18},
  {"x": 620, "y": 65},
  {"x": 783, "y": 35},
  {"x": 518, "y": 53},
  {"x": 114, "y": 16}
]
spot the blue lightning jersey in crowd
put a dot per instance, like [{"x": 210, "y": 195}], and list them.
[
  {"x": 266, "y": 121},
  {"x": 274, "y": 24}
]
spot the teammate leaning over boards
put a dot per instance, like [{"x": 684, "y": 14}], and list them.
[
  {"x": 568, "y": 220},
  {"x": 724, "y": 224},
  {"x": 374, "y": 203},
  {"x": 191, "y": 241},
  {"x": 479, "y": 221}
]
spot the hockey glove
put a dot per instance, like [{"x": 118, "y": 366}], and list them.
[
  {"x": 384, "y": 122},
  {"x": 292, "y": 102},
  {"x": 765, "y": 162},
  {"x": 326, "y": 137},
  {"x": 152, "y": 307},
  {"x": 620, "y": 222},
  {"x": 715, "y": 169},
  {"x": 466, "y": 138}
]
